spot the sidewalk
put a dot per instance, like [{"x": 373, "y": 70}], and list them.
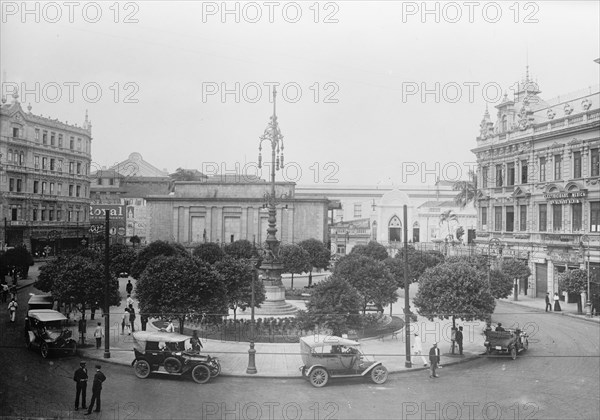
[
  {"x": 283, "y": 359},
  {"x": 567, "y": 309}
]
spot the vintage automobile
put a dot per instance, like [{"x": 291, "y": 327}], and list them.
[
  {"x": 40, "y": 302},
  {"x": 509, "y": 341},
  {"x": 171, "y": 354},
  {"x": 47, "y": 330},
  {"x": 327, "y": 356}
]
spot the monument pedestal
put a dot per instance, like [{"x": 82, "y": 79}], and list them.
[{"x": 274, "y": 304}]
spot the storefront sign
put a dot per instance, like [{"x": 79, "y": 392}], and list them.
[
  {"x": 566, "y": 197},
  {"x": 98, "y": 212}
]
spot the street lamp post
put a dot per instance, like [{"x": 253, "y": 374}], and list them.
[
  {"x": 251, "y": 369},
  {"x": 497, "y": 243},
  {"x": 588, "y": 303}
]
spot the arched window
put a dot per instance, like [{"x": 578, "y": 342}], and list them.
[
  {"x": 395, "y": 229},
  {"x": 416, "y": 232}
]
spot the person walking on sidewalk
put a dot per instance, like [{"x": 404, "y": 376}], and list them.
[
  {"x": 548, "y": 304},
  {"x": 96, "y": 390},
  {"x": 418, "y": 349},
  {"x": 98, "y": 334},
  {"x": 127, "y": 320},
  {"x": 12, "y": 309},
  {"x": 459, "y": 340},
  {"x": 144, "y": 321},
  {"x": 434, "y": 359},
  {"x": 556, "y": 302},
  {"x": 132, "y": 318},
  {"x": 80, "y": 378},
  {"x": 129, "y": 287}
]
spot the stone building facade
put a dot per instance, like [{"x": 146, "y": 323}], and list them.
[
  {"x": 223, "y": 211},
  {"x": 44, "y": 180},
  {"x": 539, "y": 183}
]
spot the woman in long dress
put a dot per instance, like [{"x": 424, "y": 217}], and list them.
[{"x": 556, "y": 303}]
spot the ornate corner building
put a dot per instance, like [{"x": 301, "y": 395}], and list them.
[
  {"x": 539, "y": 172},
  {"x": 44, "y": 180}
]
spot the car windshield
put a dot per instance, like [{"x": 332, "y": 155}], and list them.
[{"x": 53, "y": 329}]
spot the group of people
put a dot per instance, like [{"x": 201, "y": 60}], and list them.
[
  {"x": 81, "y": 378},
  {"x": 557, "y": 307}
]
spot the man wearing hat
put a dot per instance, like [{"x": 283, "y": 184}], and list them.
[
  {"x": 96, "y": 390},
  {"x": 80, "y": 379},
  {"x": 434, "y": 359}
]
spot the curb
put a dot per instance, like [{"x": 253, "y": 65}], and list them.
[
  {"x": 569, "y": 314},
  {"x": 465, "y": 359}
]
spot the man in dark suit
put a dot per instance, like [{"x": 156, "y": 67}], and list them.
[
  {"x": 500, "y": 327},
  {"x": 96, "y": 390},
  {"x": 434, "y": 359},
  {"x": 459, "y": 340},
  {"x": 80, "y": 378},
  {"x": 548, "y": 304}
]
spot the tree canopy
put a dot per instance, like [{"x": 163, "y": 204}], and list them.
[
  {"x": 237, "y": 276},
  {"x": 78, "y": 280},
  {"x": 19, "y": 259},
  {"x": 319, "y": 255},
  {"x": 240, "y": 249},
  {"x": 153, "y": 250},
  {"x": 371, "y": 278},
  {"x": 418, "y": 262},
  {"x": 516, "y": 269},
  {"x": 334, "y": 304},
  {"x": 295, "y": 260},
  {"x": 373, "y": 249},
  {"x": 454, "y": 289},
  {"x": 181, "y": 288},
  {"x": 209, "y": 252},
  {"x": 467, "y": 190}
]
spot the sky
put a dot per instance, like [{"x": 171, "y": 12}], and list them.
[{"x": 369, "y": 93}]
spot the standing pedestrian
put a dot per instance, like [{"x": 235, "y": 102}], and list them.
[
  {"x": 12, "y": 309},
  {"x": 132, "y": 318},
  {"x": 195, "y": 342},
  {"x": 80, "y": 378},
  {"x": 170, "y": 327},
  {"x": 453, "y": 339},
  {"x": 125, "y": 315},
  {"x": 129, "y": 287},
  {"x": 548, "y": 304},
  {"x": 459, "y": 340},
  {"x": 418, "y": 349},
  {"x": 96, "y": 390},
  {"x": 434, "y": 359},
  {"x": 98, "y": 334},
  {"x": 129, "y": 300},
  {"x": 556, "y": 302},
  {"x": 4, "y": 292},
  {"x": 144, "y": 321},
  {"x": 127, "y": 320}
]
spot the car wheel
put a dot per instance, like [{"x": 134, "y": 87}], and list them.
[
  {"x": 142, "y": 369},
  {"x": 525, "y": 344},
  {"x": 379, "y": 374},
  {"x": 215, "y": 369},
  {"x": 201, "y": 374},
  {"x": 172, "y": 365},
  {"x": 319, "y": 377},
  {"x": 513, "y": 352},
  {"x": 44, "y": 350}
]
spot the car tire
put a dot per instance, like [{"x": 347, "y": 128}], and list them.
[
  {"x": 142, "y": 369},
  {"x": 513, "y": 352},
  {"x": 379, "y": 374},
  {"x": 216, "y": 370},
  {"x": 318, "y": 377},
  {"x": 44, "y": 350},
  {"x": 172, "y": 365},
  {"x": 201, "y": 374}
]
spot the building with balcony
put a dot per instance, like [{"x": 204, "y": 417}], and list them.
[
  {"x": 539, "y": 178},
  {"x": 44, "y": 179}
]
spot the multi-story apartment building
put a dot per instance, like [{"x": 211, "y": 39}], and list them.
[
  {"x": 44, "y": 179},
  {"x": 539, "y": 178}
]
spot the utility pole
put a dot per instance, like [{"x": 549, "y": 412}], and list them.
[
  {"x": 407, "y": 363},
  {"x": 106, "y": 286}
]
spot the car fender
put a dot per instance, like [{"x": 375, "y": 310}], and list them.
[
  {"x": 370, "y": 368},
  {"x": 310, "y": 369},
  {"x": 31, "y": 336}
]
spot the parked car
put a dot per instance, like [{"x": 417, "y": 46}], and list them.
[
  {"x": 47, "y": 331},
  {"x": 508, "y": 342},
  {"x": 40, "y": 302},
  {"x": 171, "y": 354},
  {"x": 327, "y": 356}
]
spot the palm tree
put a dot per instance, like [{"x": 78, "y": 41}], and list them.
[
  {"x": 447, "y": 217},
  {"x": 467, "y": 190}
]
